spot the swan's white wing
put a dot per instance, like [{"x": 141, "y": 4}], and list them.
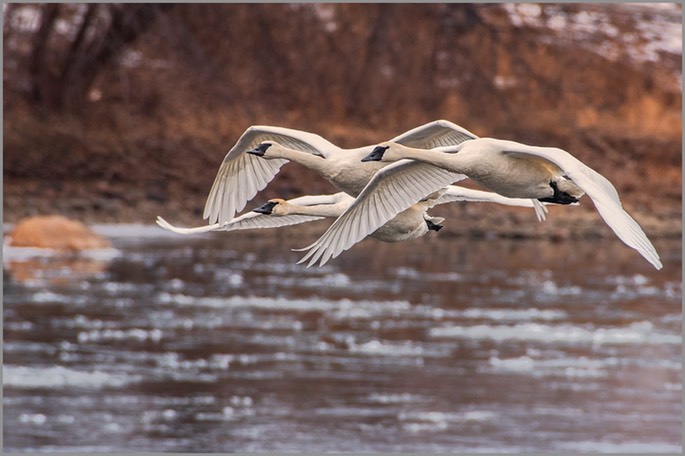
[
  {"x": 254, "y": 220},
  {"x": 392, "y": 190},
  {"x": 603, "y": 195},
  {"x": 247, "y": 221},
  {"x": 434, "y": 134},
  {"x": 242, "y": 175},
  {"x": 456, "y": 193},
  {"x": 177, "y": 229},
  {"x": 319, "y": 200}
]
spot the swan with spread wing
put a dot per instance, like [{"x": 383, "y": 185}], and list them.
[
  {"x": 411, "y": 223},
  {"x": 512, "y": 169},
  {"x": 262, "y": 150}
]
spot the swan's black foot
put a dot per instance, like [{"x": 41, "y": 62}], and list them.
[
  {"x": 559, "y": 197},
  {"x": 433, "y": 226}
]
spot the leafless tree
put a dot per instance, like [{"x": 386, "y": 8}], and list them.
[{"x": 73, "y": 44}]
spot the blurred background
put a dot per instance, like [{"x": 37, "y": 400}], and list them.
[
  {"x": 122, "y": 112},
  {"x": 497, "y": 334}
]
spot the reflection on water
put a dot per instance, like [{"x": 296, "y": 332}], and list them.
[
  {"x": 37, "y": 267},
  {"x": 223, "y": 343}
]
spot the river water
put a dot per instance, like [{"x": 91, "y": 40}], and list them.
[{"x": 221, "y": 343}]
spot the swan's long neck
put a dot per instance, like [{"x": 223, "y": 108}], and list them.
[
  {"x": 307, "y": 159},
  {"x": 340, "y": 167},
  {"x": 321, "y": 210},
  {"x": 440, "y": 159}
]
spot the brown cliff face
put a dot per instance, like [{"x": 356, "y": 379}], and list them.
[{"x": 597, "y": 80}]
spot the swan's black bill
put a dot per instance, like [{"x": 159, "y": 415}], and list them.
[
  {"x": 376, "y": 154},
  {"x": 260, "y": 150},
  {"x": 266, "y": 208}
]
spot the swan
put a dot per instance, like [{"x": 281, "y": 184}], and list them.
[
  {"x": 241, "y": 175},
  {"x": 411, "y": 223},
  {"x": 512, "y": 169},
  {"x": 301, "y": 210}
]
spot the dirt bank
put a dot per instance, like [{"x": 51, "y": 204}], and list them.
[{"x": 158, "y": 119}]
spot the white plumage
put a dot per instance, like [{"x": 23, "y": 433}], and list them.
[
  {"x": 304, "y": 209},
  {"x": 509, "y": 168},
  {"x": 241, "y": 175},
  {"x": 411, "y": 223}
]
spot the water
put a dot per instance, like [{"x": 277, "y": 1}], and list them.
[{"x": 221, "y": 343}]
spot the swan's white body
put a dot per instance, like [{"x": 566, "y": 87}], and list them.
[
  {"x": 509, "y": 168},
  {"x": 411, "y": 223},
  {"x": 242, "y": 175}
]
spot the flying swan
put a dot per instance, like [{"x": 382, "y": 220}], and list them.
[
  {"x": 241, "y": 175},
  {"x": 511, "y": 169},
  {"x": 411, "y": 223},
  {"x": 303, "y": 209}
]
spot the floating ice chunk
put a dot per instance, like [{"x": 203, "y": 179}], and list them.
[
  {"x": 33, "y": 418},
  {"x": 637, "y": 332},
  {"x": 400, "y": 398},
  {"x": 61, "y": 377},
  {"x": 99, "y": 335},
  {"x": 522, "y": 363},
  {"x": 514, "y": 314}
]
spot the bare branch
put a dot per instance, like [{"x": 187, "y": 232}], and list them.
[{"x": 38, "y": 71}]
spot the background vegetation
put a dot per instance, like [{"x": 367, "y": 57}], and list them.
[{"x": 122, "y": 112}]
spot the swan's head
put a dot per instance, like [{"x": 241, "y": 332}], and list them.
[
  {"x": 273, "y": 149},
  {"x": 261, "y": 149},
  {"x": 386, "y": 152},
  {"x": 276, "y": 206},
  {"x": 377, "y": 153}
]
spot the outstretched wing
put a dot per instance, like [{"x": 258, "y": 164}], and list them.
[
  {"x": 392, "y": 190},
  {"x": 181, "y": 230},
  {"x": 434, "y": 134},
  {"x": 602, "y": 193},
  {"x": 254, "y": 220},
  {"x": 242, "y": 175},
  {"x": 456, "y": 193},
  {"x": 247, "y": 221},
  {"x": 322, "y": 200}
]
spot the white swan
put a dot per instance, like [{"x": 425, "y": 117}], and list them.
[
  {"x": 303, "y": 209},
  {"x": 411, "y": 223},
  {"x": 242, "y": 175},
  {"x": 509, "y": 168}
]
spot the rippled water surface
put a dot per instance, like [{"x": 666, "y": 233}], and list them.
[{"x": 223, "y": 343}]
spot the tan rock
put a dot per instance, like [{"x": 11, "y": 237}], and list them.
[{"x": 55, "y": 232}]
